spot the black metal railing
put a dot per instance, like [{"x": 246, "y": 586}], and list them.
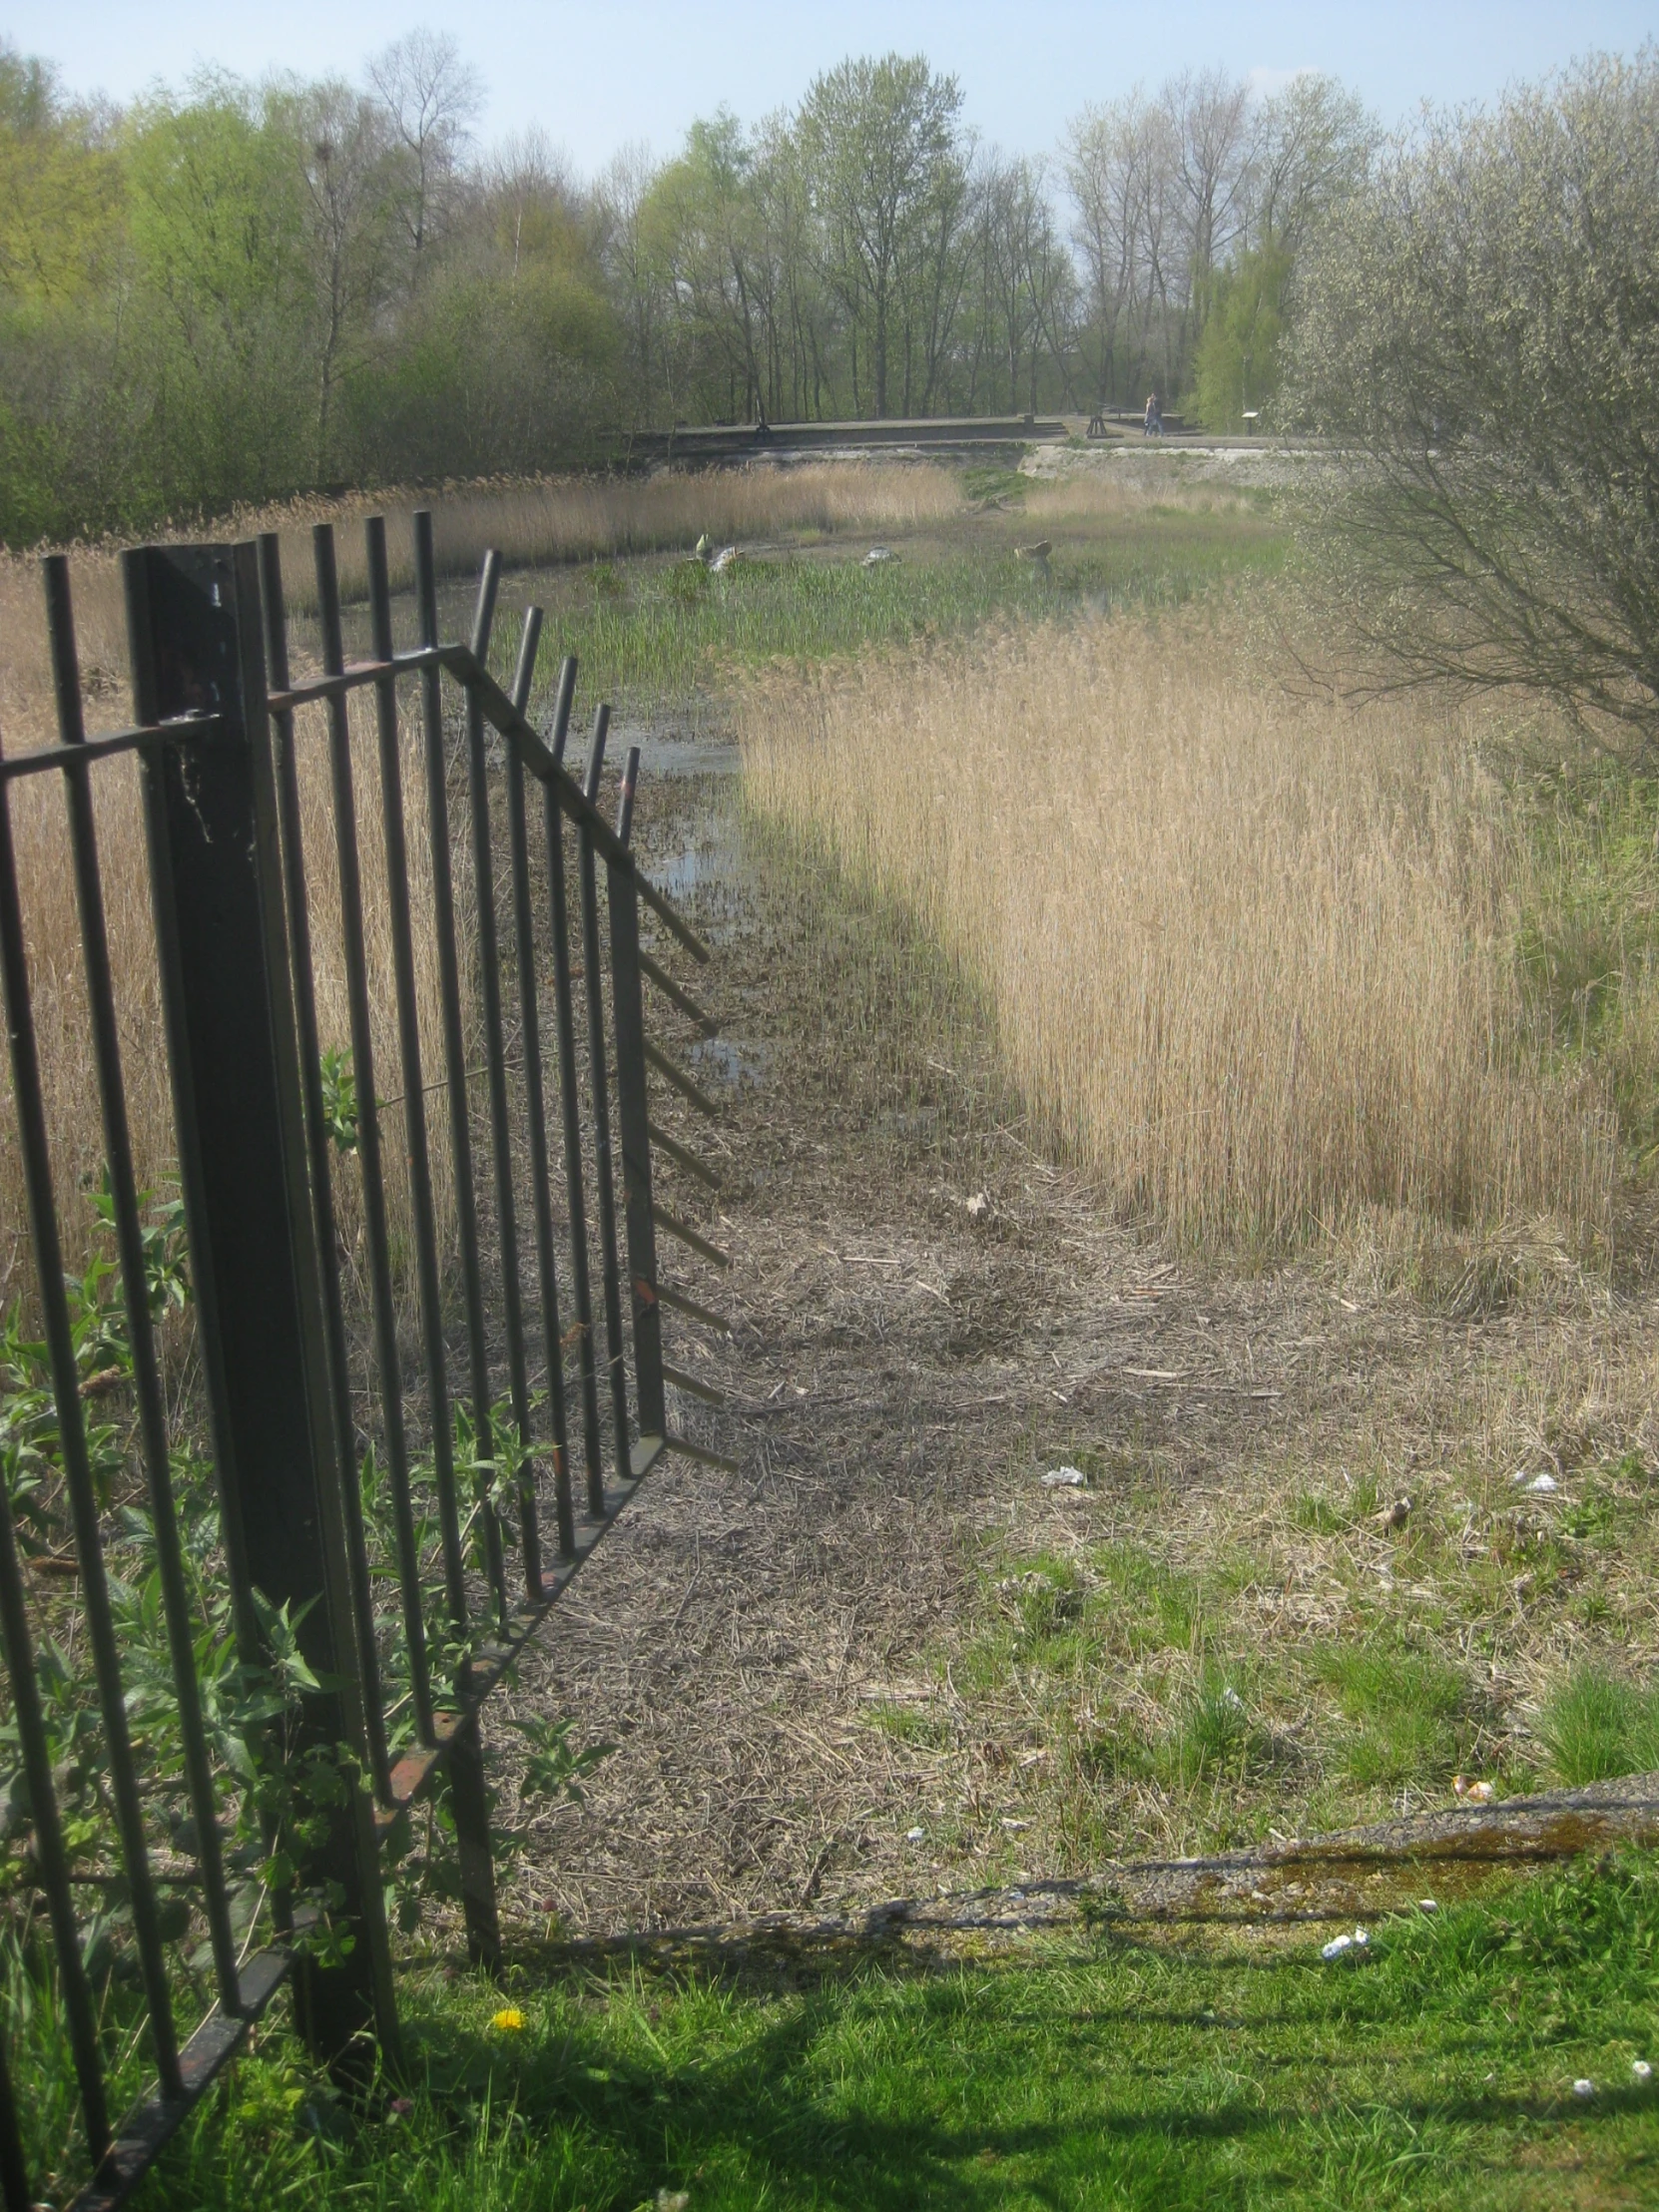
[{"x": 344, "y": 1452}]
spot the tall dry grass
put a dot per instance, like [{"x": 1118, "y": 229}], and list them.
[
  {"x": 530, "y": 523},
  {"x": 57, "y": 982},
  {"x": 1252, "y": 960},
  {"x": 554, "y": 519}
]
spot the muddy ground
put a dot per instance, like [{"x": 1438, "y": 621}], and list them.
[{"x": 928, "y": 1315}]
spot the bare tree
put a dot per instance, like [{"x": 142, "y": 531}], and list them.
[
  {"x": 1477, "y": 334},
  {"x": 431, "y": 96},
  {"x": 351, "y": 216},
  {"x": 1118, "y": 170},
  {"x": 1212, "y": 118},
  {"x": 633, "y": 267},
  {"x": 1313, "y": 141},
  {"x": 881, "y": 142}
]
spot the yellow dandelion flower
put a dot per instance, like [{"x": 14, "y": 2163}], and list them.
[{"x": 509, "y": 2019}]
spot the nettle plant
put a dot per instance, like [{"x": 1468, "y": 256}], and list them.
[{"x": 275, "y": 1786}]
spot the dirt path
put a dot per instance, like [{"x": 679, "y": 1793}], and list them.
[{"x": 929, "y": 1317}]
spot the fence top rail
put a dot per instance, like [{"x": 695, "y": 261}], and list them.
[
  {"x": 499, "y": 710},
  {"x": 180, "y": 731},
  {"x": 506, "y": 717}
]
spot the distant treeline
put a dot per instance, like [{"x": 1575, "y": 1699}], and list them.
[{"x": 245, "y": 291}]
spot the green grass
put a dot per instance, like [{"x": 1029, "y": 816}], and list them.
[
  {"x": 1408, "y": 1713},
  {"x": 1091, "y": 2072},
  {"x": 653, "y": 635},
  {"x": 1596, "y": 1727},
  {"x": 1589, "y": 939}
]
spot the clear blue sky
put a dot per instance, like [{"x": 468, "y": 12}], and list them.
[{"x": 597, "y": 74}]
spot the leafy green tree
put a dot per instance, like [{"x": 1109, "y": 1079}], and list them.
[
  {"x": 1479, "y": 334},
  {"x": 218, "y": 231},
  {"x": 1238, "y": 365},
  {"x": 881, "y": 146},
  {"x": 61, "y": 216}
]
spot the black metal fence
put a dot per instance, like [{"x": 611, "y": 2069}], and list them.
[{"x": 355, "y": 1432}]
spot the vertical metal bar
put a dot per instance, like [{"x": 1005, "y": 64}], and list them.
[
  {"x": 529, "y": 1015},
  {"x": 495, "y": 1060},
  {"x": 297, "y": 904},
  {"x": 147, "y": 1387},
  {"x": 72, "y": 1442},
  {"x": 15, "y": 2193},
  {"x": 603, "y": 1172},
  {"x": 634, "y": 1123},
  {"x": 416, "y": 1151},
  {"x": 386, "y": 1354},
  {"x": 455, "y": 1038},
  {"x": 50, "y": 1855},
  {"x": 468, "y": 1794},
  {"x": 565, "y": 1023},
  {"x": 227, "y": 996}
]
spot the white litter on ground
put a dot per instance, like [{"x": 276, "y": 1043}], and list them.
[
  {"x": 1543, "y": 1482},
  {"x": 1641, "y": 2070},
  {"x": 914, "y": 1835},
  {"x": 1359, "y": 1941},
  {"x": 1584, "y": 2087},
  {"x": 1066, "y": 1478}
]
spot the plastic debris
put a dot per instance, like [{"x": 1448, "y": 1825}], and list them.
[
  {"x": 1584, "y": 2087},
  {"x": 727, "y": 557},
  {"x": 979, "y": 1203},
  {"x": 1428, "y": 1905},
  {"x": 1472, "y": 1792},
  {"x": 914, "y": 1835},
  {"x": 1543, "y": 1482},
  {"x": 673, "y": 2200},
  {"x": 1641, "y": 2070},
  {"x": 1339, "y": 1945},
  {"x": 878, "y": 554},
  {"x": 1066, "y": 1478}
]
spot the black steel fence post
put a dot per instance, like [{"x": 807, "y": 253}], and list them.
[
  {"x": 211, "y": 821},
  {"x": 124, "y": 1205}
]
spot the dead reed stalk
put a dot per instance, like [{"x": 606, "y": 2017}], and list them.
[
  {"x": 535, "y": 522},
  {"x": 46, "y": 887},
  {"x": 1252, "y": 960}
]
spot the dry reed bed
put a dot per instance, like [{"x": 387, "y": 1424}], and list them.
[
  {"x": 1251, "y": 960},
  {"x": 530, "y": 523},
  {"x": 57, "y": 980}
]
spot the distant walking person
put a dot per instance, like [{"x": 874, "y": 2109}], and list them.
[{"x": 1154, "y": 424}]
